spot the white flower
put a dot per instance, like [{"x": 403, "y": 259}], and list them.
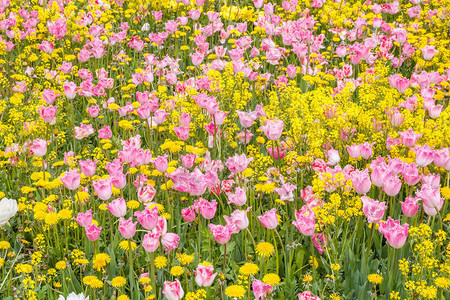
[
  {"x": 8, "y": 208},
  {"x": 73, "y": 296},
  {"x": 145, "y": 27}
]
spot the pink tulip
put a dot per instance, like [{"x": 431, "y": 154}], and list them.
[
  {"x": 285, "y": 192},
  {"x": 92, "y": 232},
  {"x": 373, "y": 210},
  {"x": 410, "y": 206},
  {"x": 258, "y": 3},
  {"x": 160, "y": 116},
  {"x": 305, "y": 221},
  {"x": 49, "y": 96},
  {"x": 269, "y": 219},
  {"x": 361, "y": 181},
  {"x": 117, "y": 207},
  {"x": 204, "y": 275},
  {"x": 146, "y": 194},
  {"x": 148, "y": 218},
  {"x": 238, "y": 163},
  {"x": 432, "y": 211},
  {"x": 48, "y": 113},
  {"x": 103, "y": 188},
  {"x": 430, "y": 196},
  {"x": 379, "y": 175},
  {"x": 307, "y": 296},
  {"x": 105, "y": 132},
  {"x": 392, "y": 186},
  {"x": 87, "y": 167},
  {"x": 441, "y": 157},
  {"x": 428, "y": 52},
  {"x": 71, "y": 179},
  {"x": 182, "y": 132},
  {"x": 118, "y": 180},
  {"x": 222, "y": 234},
  {"x": 239, "y": 197},
  {"x": 143, "y": 157},
  {"x": 170, "y": 241},
  {"x": 127, "y": 228},
  {"x": 207, "y": 209},
  {"x": 161, "y": 163},
  {"x": 151, "y": 242},
  {"x": 188, "y": 214},
  {"x": 39, "y": 147},
  {"x": 260, "y": 289},
  {"x": 173, "y": 290},
  {"x": 70, "y": 89},
  {"x": 188, "y": 160},
  {"x": 246, "y": 119},
  {"x": 411, "y": 174},
  {"x": 434, "y": 180},
  {"x": 93, "y": 111},
  {"x": 395, "y": 233},
  {"x": 240, "y": 219},
  {"x": 273, "y": 129},
  {"x": 409, "y": 137},
  {"x": 366, "y": 150},
  {"x": 84, "y": 219},
  {"x": 424, "y": 155},
  {"x": 354, "y": 151}
]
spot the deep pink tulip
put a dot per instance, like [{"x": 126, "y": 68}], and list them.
[
  {"x": 151, "y": 242},
  {"x": 305, "y": 221},
  {"x": 361, "y": 181},
  {"x": 410, "y": 206},
  {"x": 87, "y": 167},
  {"x": 392, "y": 185},
  {"x": 260, "y": 289}
]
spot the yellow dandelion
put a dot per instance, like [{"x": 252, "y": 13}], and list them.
[
  {"x": 184, "y": 258},
  {"x": 100, "y": 260},
  {"x": 51, "y": 218},
  {"x": 4, "y": 245},
  {"x": 61, "y": 265},
  {"x": 118, "y": 281},
  {"x": 176, "y": 271},
  {"x": 123, "y": 297},
  {"x": 161, "y": 262},
  {"x": 124, "y": 245},
  {"x": 133, "y": 204},
  {"x": 265, "y": 249},
  {"x": 144, "y": 280},
  {"x": 272, "y": 279},
  {"x": 235, "y": 291},
  {"x": 442, "y": 282},
  {"x": 249, "y": 269},
  {"x": 307, "y": 278}
]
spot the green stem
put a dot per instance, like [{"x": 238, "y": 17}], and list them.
[{"x": 276, "y": 251}]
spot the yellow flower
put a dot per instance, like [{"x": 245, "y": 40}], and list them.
[
  {"x": 184, "y": 258},
  {"x": 4, "y": 245},
  {"x": 335, "y": 267},
  {"x": 61, "y": 265},
  {"x": 176, "y": 271},
  {"x": 123, "y": 297},
  {"x": 144, "y": 280},
  {"x": 235, "y": 291},
  {"x": 307, "y": 278},
  {"x": 100, "y": 260},
  {"x": 133, "y": 204},
  {"x": 124, "y": 245},
  {"x": 118, "y": 281},
  {"x": 375, "y": 278},
  {"x": 442, "y": 282},
  {"x": 265, "y": 249},
  {"x": 2, "y": 262},
  {"x": 272, "y": 279},
  {"x": 51, "y": 218},
  {"x": 249, "y": 269},
  {"x": 161, "y": 262}
]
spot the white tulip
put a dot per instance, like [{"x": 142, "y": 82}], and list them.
[{"x": 8, "y": 208}]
